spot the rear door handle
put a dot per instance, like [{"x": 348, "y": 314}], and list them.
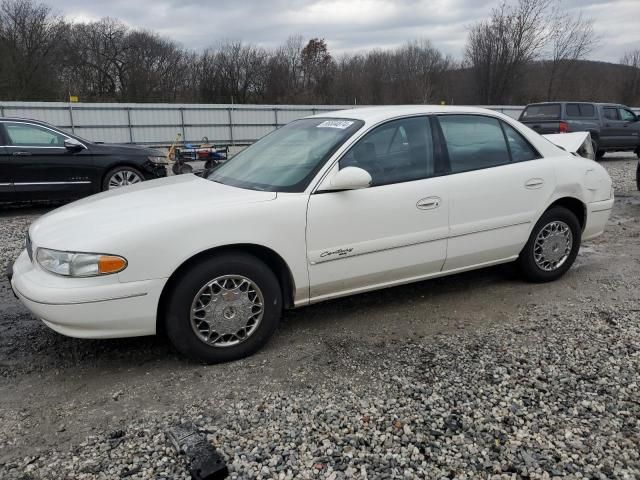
[
  {"x": 429, "y": 203},
  {"x": 534, "y": 183},
  {"x": 21, "y": 154}
]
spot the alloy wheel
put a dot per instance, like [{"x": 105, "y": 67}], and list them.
[{"x": 122, "y": 178}]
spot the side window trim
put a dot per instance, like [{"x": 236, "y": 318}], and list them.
[
  {"x": 3, "y": 136},
  {"x": 440, "y": 151},
  {"x": 506, "y": 140}
]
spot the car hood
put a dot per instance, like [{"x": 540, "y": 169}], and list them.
[
  {"x": 101, "y": 220},
  {"x": 118, "y": 149}
]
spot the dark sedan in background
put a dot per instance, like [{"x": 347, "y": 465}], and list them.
[{"x": 41, "y": 162}]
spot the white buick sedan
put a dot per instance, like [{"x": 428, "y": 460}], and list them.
[{"x": 324, "y": 207}]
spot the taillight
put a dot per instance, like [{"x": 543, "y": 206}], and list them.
[{"x": 564, "y": 127}]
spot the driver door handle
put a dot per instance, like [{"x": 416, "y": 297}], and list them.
[
  {"x": 429, "y": 203},
  {"x": 21, "y": 154},
  {"x": 534, "y": 183}
]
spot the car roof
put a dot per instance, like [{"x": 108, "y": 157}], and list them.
[
  {"x": 588, "y": 103},
  {"x": 378, "y": 114}
]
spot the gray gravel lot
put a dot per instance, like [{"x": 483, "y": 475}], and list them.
[{"x": 479, "y": 375}]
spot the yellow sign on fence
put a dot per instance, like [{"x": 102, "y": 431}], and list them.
[{"x": 73, "y": 98}]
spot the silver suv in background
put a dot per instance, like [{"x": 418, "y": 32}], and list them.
[{"x": 613, "y": 127}]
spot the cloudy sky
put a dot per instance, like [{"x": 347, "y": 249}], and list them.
[{"x": 347, "y": 25}]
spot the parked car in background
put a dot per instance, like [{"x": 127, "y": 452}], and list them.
[
  {"x": 41, "y": 162},
  {"x": 612, "y": 127},
  {"x": 324, "y": 207}
]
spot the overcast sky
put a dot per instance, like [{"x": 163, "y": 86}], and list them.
[{"x": 347, "y": 25}]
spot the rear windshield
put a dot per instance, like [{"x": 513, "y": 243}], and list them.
[{"x": 548, "y": 111}]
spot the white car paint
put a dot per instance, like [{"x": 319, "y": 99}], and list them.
[{"x": 333, "y": 243}]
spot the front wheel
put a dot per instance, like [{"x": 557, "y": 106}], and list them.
[
  {"x": 552, "y": 247},
  {"x": 223, "y": 308},
  {"x": 121, "y": 177}
]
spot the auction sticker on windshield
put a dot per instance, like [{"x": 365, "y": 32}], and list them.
[{"x": 341, "y": 124}]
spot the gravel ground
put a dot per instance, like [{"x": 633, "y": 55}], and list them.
[{"x": 475, "y": 376}]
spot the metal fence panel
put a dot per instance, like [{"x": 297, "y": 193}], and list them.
[
  {"x": 199, "y": 116},
  {"x": 159, "y": 123}
]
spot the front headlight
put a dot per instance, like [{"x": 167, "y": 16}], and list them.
[
  {"x": 157, "y": 159},
  {"x": 72, "y": 264}
]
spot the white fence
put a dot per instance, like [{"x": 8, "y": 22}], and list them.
[{"x": 159, "y": 124}]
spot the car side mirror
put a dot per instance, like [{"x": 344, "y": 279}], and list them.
[
  {"x": 73, "y": 145},
  {"x": 348, "y": 178}
]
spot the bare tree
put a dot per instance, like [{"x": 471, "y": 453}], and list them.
[
  {"x": 570, "y": 39},
  {"x": 631, "y": 78},
  {"x": 317, "y": 69},
  {"x": 154, "y": 68},
  {"x": 498, "y": 49},
  {"x": 419, "y": 72},
  {"x": 97, "y": 59},
  {"x": 29, "y": 40}
]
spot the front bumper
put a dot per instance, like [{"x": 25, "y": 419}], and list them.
[
  {"x": 152, "y": 170},
  {"x": 597, "y": 216},
  {"x": 97, "y": 307}
]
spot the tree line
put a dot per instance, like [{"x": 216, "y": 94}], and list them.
[{"x": 527, "y": 50}]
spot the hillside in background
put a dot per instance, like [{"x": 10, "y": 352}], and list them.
[{"x": 586, "y": 80}]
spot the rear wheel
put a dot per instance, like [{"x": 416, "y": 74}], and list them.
[
  {"x": 224, "y": 308},
  {"x": 552, "y": 247},
  {"x": 599, "y": 154}
]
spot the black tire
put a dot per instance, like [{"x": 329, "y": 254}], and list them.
[
  {"x": 530, "y": 269},
  {"x": 638, "y": 175},
  {"x": 594, "y": 145},
  {"x": 178, "y": 313},
  {"x": 114, "y": 171},
  {"x": 600, "y": 154}
]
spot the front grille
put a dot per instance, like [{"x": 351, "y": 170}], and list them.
[{"x": 29, "y": 247}]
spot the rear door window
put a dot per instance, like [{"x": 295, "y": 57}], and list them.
[
  {"x": 577, "y": 110},
  {"x": 473, "y": 142},
  {"x": 573, "y": 110},
  {"x": 587, "y": 110},
  {"x": 547, "y": 111}
]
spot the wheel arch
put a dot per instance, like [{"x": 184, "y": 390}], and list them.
[
  {"x": 574, "y": 205},
  {"x": 270, "y": 257}
]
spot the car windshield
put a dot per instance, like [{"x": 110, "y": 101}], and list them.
[
  {"x": 287, "y": 159},
  {"x": 549, "y": 111}
]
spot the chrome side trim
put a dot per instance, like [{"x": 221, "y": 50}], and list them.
[
  {"x": 602, "y": 210},
  {"x": 28, "y": 146},
  {"x": 53, "y": 183},
  {"x": 350, "y": 248},
  {"x": 133, "y": 295},
  {"x": 482, "y": 230}
]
